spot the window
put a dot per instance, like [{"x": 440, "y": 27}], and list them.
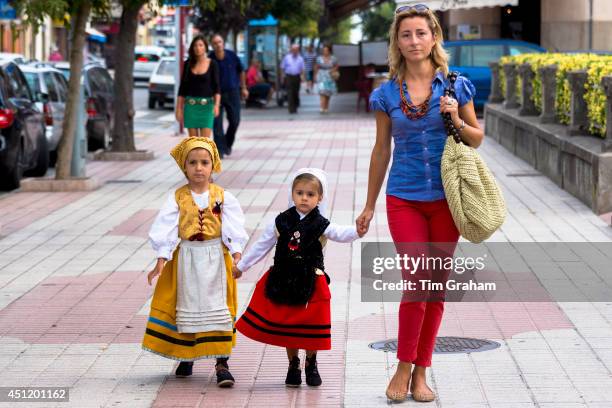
[
  {"x": 453, "y": 57},
  {"x": 106, "y": 79},
  {"x": 33, "y": 83},
  {"x": 51, "y": 88},
  {"x": 519, "y": 49},
  {"x": 95, "y": 82},
  {"x": 62, "y": 86},
  {"x": 166, "y": 68},
  {"x": 480, "y": 55},
  {"x": 17, "y": 83}
]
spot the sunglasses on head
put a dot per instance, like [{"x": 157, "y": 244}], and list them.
[{"x": 420, "y": 8}]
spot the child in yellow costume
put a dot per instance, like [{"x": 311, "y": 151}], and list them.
[{"x": 193, "y": 310}]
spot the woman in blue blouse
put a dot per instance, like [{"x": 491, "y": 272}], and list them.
[{"x": 409, "y": 110}]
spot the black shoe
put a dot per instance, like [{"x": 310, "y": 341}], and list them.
[
  {"x": 294, "y": 374},
  {"x": 228, "y": 151},
  {"x": 312, "y": 373},
  {"x": 184, "y": 369},
  {"x": 224, "y": 377}
]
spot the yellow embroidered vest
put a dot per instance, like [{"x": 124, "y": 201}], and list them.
[{"x": 197, "y": 224}]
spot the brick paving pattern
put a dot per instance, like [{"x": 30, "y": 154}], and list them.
[{"x": 74, "y": 297}]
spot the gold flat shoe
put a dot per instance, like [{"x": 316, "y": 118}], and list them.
[
  {"x": 396, "y": 397},
  {"x": 423, "y": 396}
]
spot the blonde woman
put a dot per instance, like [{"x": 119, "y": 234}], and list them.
[{"x": 409, "y": 110}]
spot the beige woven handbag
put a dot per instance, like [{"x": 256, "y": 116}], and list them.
[{"x": 474, "y": 198}]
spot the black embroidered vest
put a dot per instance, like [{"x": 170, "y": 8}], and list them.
[{"x": 298, "y": 254}]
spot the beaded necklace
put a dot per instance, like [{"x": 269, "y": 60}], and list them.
[{"x": 411, "y": 110}]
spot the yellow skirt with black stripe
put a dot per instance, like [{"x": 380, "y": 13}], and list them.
[{"x": 161, "y": 336}]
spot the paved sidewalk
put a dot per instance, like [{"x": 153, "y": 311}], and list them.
[{"x": 74, "y": 297}]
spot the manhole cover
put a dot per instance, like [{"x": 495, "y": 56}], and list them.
[
  {"x": 123, "y": 181},
  {"x": 524, "y": 175},
  {"x": 445, "y": 345}
]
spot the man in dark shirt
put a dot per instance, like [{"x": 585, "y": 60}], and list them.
[{"x": 233, "y": 87}]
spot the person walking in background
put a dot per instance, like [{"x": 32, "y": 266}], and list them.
[
  {"x": 259, "y": 90},
  {"x": 409, "y": 109},
  {"x": 326, "y": 74},
  {"x": 199, "y": 93},
  {"x": 292, "y": 67},
  {"x": 233, "y": 86},
  {"x": 309, "y": 61}
]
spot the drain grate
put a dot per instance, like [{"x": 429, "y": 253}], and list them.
[{"x": 444, "y": 345}]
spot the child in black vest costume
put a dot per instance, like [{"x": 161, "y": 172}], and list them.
[{"x": 290, "y": 306}]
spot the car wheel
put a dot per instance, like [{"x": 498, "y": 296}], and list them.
[
  {"x": 160, "y": 103},
  {"x": 12, "y": 178},
  {"x": 99, "y": 142},
  {"x": 42, "y": 158},
  {"x": 151, "y": 102}
]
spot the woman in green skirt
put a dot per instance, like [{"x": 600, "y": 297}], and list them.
[{"x": 199, "y": 93}]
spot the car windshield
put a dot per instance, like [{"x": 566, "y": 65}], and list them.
[
  {"x": 33, "y": 82},
  {"x": 65, "y": 72},
  {"x": 166, "y": 68}
]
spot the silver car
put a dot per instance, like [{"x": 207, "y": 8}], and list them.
[
  {"x": 50, "y": 90},
  {"x": 146, "y": 58}
]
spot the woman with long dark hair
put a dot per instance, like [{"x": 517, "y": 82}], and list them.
[
  {"x": 409, "y": 110},
  {"x": 200, "y": 91}
]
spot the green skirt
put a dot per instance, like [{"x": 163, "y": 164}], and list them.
[{"x": 199, "y": 113}]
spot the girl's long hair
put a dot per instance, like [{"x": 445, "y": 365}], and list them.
[
  {"x": 438, "y": 56},
  {"x": 193, "y": 60}
]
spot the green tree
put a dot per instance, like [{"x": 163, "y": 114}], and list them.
[
  {"x": 79, "y": 12},
  {"x": 377, "y": 20}
]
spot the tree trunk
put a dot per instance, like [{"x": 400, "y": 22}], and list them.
[
  {"x": 64, "y": 152},
  {"x": 123, "y": 128}
]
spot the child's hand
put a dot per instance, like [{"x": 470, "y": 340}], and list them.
[
  {"x": 236, "y": 273},
  {"x": 363, "y": 222},
  {"x": 360, "y": 231},
  {"x": 156, "y": 271}
]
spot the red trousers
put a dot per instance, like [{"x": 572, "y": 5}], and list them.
[{"x": 419, "y": 222}]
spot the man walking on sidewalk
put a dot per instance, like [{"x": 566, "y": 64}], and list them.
[
  {"x": 233, "y": 87},
  {"x": 293, "y": 66}
]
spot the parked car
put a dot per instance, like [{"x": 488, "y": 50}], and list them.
[
  {"x": 161, "y": 85},
  {"x": 50, "y": 91},
  {"x": 10, "y": 56},
  {"x": 99, "y": 98},
  {"x": 23, "y": 145},
  {"x": 471, "y": 59},
  {"x": 146, "y": 58}
]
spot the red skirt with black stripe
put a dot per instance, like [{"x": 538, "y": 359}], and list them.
[{"x": 302, "y": 327}]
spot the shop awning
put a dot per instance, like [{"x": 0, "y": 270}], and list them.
[
  {"x": 95, "y": 35},
  {"x": 458, "y": 4}
]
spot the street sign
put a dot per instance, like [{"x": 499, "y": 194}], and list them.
[{"x": 6, "y": 11}]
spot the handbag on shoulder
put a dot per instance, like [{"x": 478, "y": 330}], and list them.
[{"x": 474, "y": 197}]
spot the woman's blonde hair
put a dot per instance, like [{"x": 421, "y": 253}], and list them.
[{"x": 438, "y": 56}]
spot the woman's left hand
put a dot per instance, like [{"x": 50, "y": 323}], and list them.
[
  {"x": 450, "y": 105},
  {"x": 216, "y": 110}
]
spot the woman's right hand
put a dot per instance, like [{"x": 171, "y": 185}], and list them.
[
  {"x": 179, "y": 116},
  {"x": 363, "y": 221}
]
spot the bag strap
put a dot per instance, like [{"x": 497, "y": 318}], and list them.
[{"x": 449, "y": 91}]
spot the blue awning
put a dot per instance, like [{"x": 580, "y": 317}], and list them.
[
  {"x": 95, "y": 35},
  {"x": 268, "y": 21}
]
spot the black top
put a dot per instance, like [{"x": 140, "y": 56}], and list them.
[
  {"x": 204, "y": 85},
  {"x": 298, "y": 253}
]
